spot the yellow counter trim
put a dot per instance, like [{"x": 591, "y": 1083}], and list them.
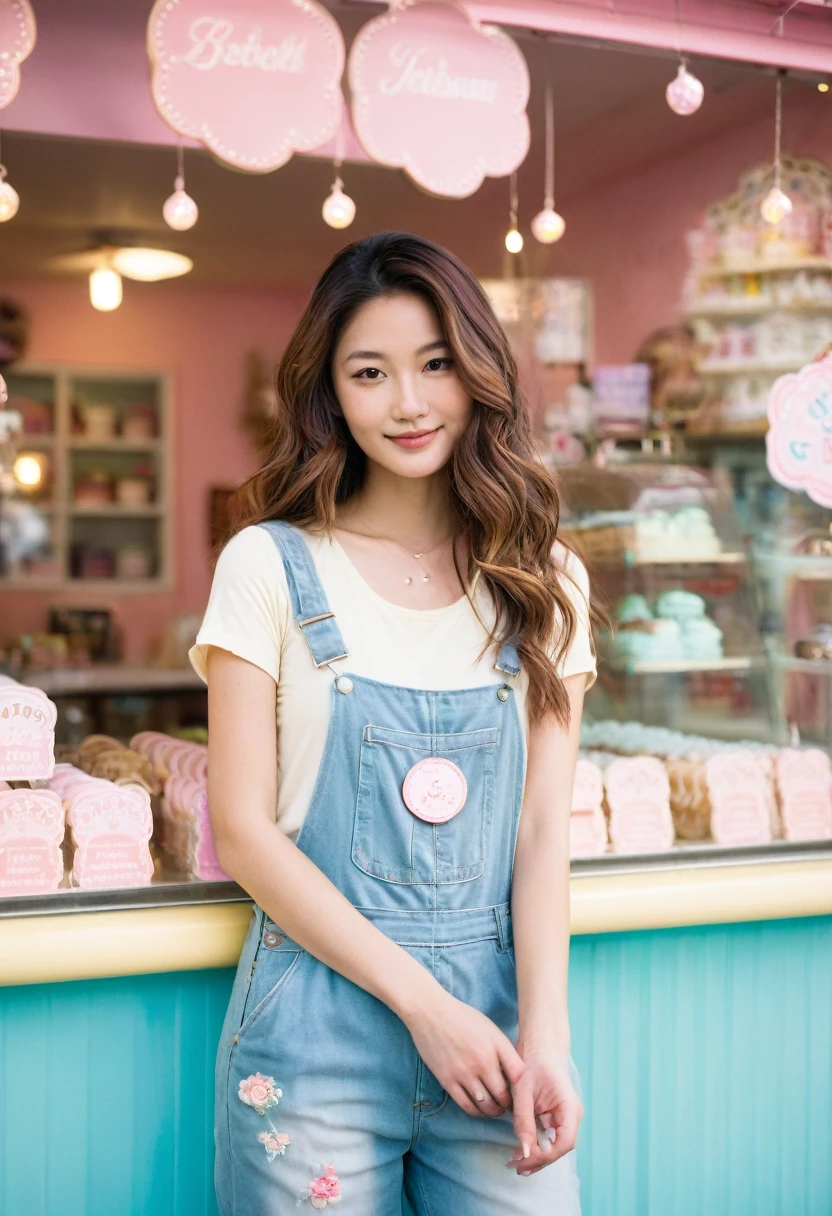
[{"x": 95, "y": 945}]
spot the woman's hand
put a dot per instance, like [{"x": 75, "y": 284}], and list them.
[
  {"x": 547, "y": 1111},
  {"x": 470, "y": 1057}
]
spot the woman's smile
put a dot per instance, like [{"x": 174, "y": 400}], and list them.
[{"x": 412, "y": 440}]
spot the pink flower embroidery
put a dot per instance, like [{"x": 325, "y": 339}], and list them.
[
  {"x": 260, "y": 1092},
  {"x": 275, "y": 1143},
  {"x": 324, "y": 1190}
]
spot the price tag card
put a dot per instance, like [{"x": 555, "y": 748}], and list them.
[
  {"x": 638, "y": 794},
  {"x": 804, "y": 782},
  {"x": 27, "y": 734},
  {"x": 737, "y": 787},
  {"x": 206, "y": 862},
  {"x": 31, "y": 831},
  {"x": 111, "y": 826},
  {"x": 799, "y": 438}
]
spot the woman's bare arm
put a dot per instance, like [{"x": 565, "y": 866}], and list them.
[
  {"x": 464, "y": 1049},
  {"x": 540, "y": 910}
]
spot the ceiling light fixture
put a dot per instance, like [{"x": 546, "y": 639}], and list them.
[
  {"x": 547, "y": 225},
  {"x": 777, "y": 205},
  {"x": 685, "y": 92},
  {"x": 514, "y": 238},
  {"x": 150, "y": 265},
  {"x": 180, "y": 212},
  {"x": 105, "y": 289}
]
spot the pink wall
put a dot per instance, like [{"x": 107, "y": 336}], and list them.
[
  {"x": 628, "y": 236},
  {"x": 201, "y": 337}
]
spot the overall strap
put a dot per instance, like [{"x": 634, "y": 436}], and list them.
[
  {"x": 508, "y": 660},
  {"x": 309, "y": 603}
]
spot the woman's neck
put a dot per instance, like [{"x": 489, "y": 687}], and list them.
[{"x": 415, "y": 511}]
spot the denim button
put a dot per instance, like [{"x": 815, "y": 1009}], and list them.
[
  {"x": 272, "y": 939},
  {"x": 502, "y": 693},
  {"x": 344, "y": 684}
]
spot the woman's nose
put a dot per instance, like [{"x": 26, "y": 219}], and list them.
[{"x": 410, "y": 404}]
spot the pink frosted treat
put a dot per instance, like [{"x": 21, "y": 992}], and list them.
[
  {"x": 587, "y": 823},
  {"x": 638, "y": 794},
  {"x": 27, "y": 733},
  {"x": 804, "y": 782},
  {"x": 737, "y": 787},
  {"x": 31, "y": 831}
]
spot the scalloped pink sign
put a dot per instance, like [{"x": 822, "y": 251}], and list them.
[
  {"x": 799, "y": 439},
  {"x": 440, "y": 96},
  {"x": 254, "y": 80},
  {"x": 17, "y": 41}
]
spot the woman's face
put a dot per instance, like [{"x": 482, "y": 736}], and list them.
[{"x": 397, "y": 386}]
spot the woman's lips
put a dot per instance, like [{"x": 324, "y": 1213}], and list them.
[{"x": 413, "y": 439}]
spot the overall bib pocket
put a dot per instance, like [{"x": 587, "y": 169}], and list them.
[
  {"x": 274, "y": 964},
  {"x": 392, "y": 843}
]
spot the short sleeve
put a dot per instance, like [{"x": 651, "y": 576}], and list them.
[
  {"x": 580, "y": 657},
  {"x": 248, "y": 610}
]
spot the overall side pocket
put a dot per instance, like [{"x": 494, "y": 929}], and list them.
[{"x": 275, "y": 961}]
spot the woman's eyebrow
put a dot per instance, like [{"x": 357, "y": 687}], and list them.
[{"x": 439, "y": 344}]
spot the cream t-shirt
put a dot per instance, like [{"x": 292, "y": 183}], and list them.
[{"x": 250, "y": 613}]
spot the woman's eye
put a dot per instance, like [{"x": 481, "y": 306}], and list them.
[
  {"x": 369, "y": 373},
  {"x": 439, "y": 365}
]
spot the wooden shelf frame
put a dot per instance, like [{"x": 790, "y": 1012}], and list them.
[{"x": 61, "y": 445}]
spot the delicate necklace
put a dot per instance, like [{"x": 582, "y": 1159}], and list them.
[{"x": 423, "y": 553}]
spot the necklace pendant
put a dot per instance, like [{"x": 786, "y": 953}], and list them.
[
  {"x": 425, "y": 578},
  {"x": 418, "y": 555},
  {"x": 408, "y": 580}
]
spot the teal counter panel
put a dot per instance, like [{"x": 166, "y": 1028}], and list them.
[{"x": 705, "y": 1055}]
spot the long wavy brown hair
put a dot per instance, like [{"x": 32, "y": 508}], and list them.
[{"x": 506, "y": 502}]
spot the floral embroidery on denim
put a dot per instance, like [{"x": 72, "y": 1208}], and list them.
[
  {"x": 323, "y": 1190},
  {"x": 260, "y": 1092},
  {"x": 274, "y": 1143}
]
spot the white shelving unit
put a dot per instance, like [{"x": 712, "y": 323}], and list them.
[{"x": 69, "y": 452}]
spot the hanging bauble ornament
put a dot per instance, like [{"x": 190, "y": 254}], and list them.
[
  {"x": 775, "y": 206},
  {"x": 338, "y": 209},
  {"x": 548, "y": 226},
  {"x": 685, "y": 93},
  {"x": 180, "y": 210},
  {"x": 514, "y": 240},
  {"x": 9, "y": 198}
]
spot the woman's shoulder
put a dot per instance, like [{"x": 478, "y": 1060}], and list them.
[{"x": 576, "y": 575}]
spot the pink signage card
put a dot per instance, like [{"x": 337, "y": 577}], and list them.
[
  {"x": 799, "y": 438},
  {"x": 439, "y": 96},
  {"x": 31, "y": 831},
  {"x": 27, "y": 733},
  {"x": 17, "y": 41},
  {"x": 638, "y": 795},
  {"x": 111, "y": 826},
  {"x": 804, "y": 783},
  {"x": 737, "y": 787},
  {"x": 254, "y": 80},
  {"x": 587, "y": 823}
]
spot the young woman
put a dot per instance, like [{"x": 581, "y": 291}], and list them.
[{"x": 396, "y": 650}]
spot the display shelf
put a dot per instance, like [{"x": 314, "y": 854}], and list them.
[
  {"x": 683, "y": 666},
  {"x": 752, "y": 307},
  {"x": 729, "y": 429},
  {"x": 813, "y": 667},
  {"x": 740, "y": 367},
  {"x": 116, "y": 511},
  {"x": 70, "y": 393},
  {"x": 728, "y": 270},
  {"x": 112, "y": 677},
  {"x": 634, "y": 562},
  {"x": 806, "y": 567}
]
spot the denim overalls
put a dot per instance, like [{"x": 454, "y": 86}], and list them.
[{"x": 322, "y": 1100}]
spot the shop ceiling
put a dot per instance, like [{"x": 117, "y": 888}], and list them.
[{"x": 266, "y": 230}]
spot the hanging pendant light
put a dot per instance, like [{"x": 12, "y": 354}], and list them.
[
  {"x": 777, "y": 204},
  {"x": 547, "y": 226},
  {"x": 338, "y": 209},
  {"x": 685, "y": 92},
  {"x": 105, "y": 289},
  {"x": 514, "y": 237},
  {"x": 180, "y": 211}
]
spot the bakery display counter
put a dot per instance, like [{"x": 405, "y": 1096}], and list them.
[{"x": 187, "y": 926}]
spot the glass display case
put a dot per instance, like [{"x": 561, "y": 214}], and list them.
[{"x": 666, "y": 553}]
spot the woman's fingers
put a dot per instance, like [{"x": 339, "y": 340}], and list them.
[
  {"x": 484, "y": 1101},
  {"x": 566, "y": 1120},
  {"x": 464, "y": 1101},
  {"x": 525, "y": 1127}
]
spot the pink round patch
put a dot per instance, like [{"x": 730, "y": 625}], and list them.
[{"x": 435, "y": 790}]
